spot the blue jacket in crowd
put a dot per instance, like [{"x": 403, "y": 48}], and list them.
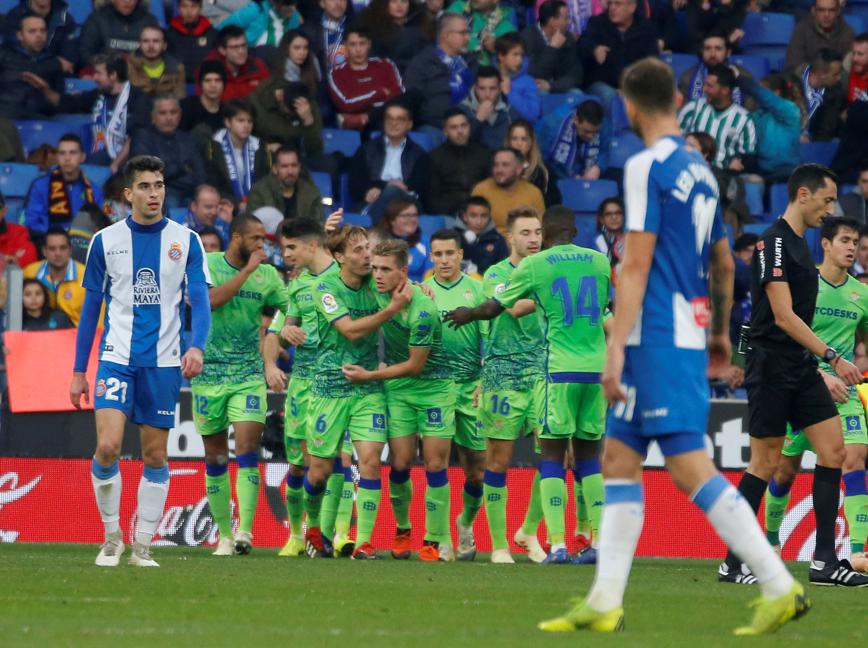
[
  {"x": 523, "y": 94},
  {"x": 36, "y": 205},
  {"x": 565, "y": 155},
  {"x": 778, "y": 127}
]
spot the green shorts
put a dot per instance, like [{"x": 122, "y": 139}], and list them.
[
  {"x": 467, "y": 425},
  {"x": 853, "y": 427},
  {"x": 330, "y": 418},
  {"x": 216, "y": 406},
  {"x": 294, "y": 417},
  {"x": 425, "y": 407},
  {"x": 507, "y": 414},
  {"x": 574, "y": 411}
]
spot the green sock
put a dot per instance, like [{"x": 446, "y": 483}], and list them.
[
  {"x": 247, "y": 491},
  {"x": 592, "y": 488},
  {"x": 312, "y": 503},
  {"x": 495, "y": 498},
  {"x": 330, "y": 503},
  {"x": 400, "y": 495},
  {"x": 553, "y": 492},
  {"x": 583, "y": 524},
  {"x": 367, "y": 505},
  {"x": 534, "y": 508},
  {"x": 437, "y": 507},
  {"x": 776, "y": 508},
  {"x": 345, "y": 508},
  {"x": 294, "y": 504},
  {"x": 471, "y": 496},
  {"x": 219, "y": 493}
]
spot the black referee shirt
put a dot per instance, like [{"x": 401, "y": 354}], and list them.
[{"x": 781, "y": 255}]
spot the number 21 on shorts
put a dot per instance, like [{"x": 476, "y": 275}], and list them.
[{"x": 112, "y": 389}]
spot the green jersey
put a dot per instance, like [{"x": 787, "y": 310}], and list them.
[
  {"x": 232, "y": 351},
  {"x": 570, "y": 285},
  {"x": 463, "y": 346},
  {"x": 514, "y": 347},
  {"x": 300, "y": 305},
  {"x": 333, "y": 299},
  {"x": 840, "y": 313},
  {"x": 416, "y": 325}
]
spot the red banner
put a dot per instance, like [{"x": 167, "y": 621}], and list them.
[{"x": 51, "y": 500}]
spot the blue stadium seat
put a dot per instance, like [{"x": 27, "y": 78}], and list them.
[
  {"x": 758, "y": 66},
  {"x": 554, "y": 100},
  {"x": 730, "y": 233},
  {"x": 339, "y": 140},
  {"x": 774, "y": 54},
  {"x": 362, "y": 220},
  {"x": 96, "y": 173},
  {"x": 80, "y": 10},
  {"x": 777, "y": 200},
  {"x": 585, "y": 196},
  {"x": 424, "y": 140},
  {"x": 620, "y": 122},
  {"x": 586, "y": 228},
  {"x": 178, "y": 214},
  {"x": 15, "y": 178},
  {"x": 158, "y": 9},
  {"x": 430, "y": 224},
  {"x": 15, "y": 210},
  {"x": 755, "y": 228},
  {"x": 819, "y": 152},
  {"x": 622, "y": 147},
  {"x": 7, "y": 5},
  {"x": 754, "y": 198},
  {"x": 767, "y": 28},
  {"x": 323, "y": 182},
  {"x": 74, "y": 85},
  {"x": 37, "y": 132},
  {"x": 679, "y": 62},
  {"x": 856, "y": 21}
]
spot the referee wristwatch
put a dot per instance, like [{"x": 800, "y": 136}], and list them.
[{"x": 829, "y": 355}]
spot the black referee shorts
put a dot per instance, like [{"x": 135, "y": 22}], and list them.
[{"x": 782, "y": 389}]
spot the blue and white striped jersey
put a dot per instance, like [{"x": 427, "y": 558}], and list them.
[{"x": 142, "y": 272}]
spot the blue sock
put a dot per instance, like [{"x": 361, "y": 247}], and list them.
[{"x": 104, "y": 472}]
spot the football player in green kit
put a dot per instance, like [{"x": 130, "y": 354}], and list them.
[
  {"x": 231, "y": 389},
  {"x": 452, "y": 289},
  {"x": 421, "y": 398},
  {"x": 840, "y": 318}
]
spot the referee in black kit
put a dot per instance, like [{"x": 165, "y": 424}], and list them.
[{"x": 782, "y": 379}]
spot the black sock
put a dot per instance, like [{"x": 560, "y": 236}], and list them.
[
  {"x": 752, "y": 488},
  {"x": 826, "y": 491}
]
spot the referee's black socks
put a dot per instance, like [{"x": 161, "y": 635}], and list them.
[
  {"x": 752, "y": 488},
  {"x": 826, "y": 491}
]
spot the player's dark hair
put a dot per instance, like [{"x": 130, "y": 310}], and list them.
[
  {"x": 507, "y": 149},
  {"x": 831, "y": 226},
  {"x": 241, "y": 222},
  {"x": 744, "y": 241},
  {"x": 58, "y": 231},
  {"x": 550, "y": 9},
  {"x": 208, "y": 230},
  {"x": 228, "y": 33},
  {"x": 503, "y": 45},
  {"x": 724, "y": 75},
  {"x": 559, "y": 225},
  {"x": 235, "y": 107},
  {"x": 302, "y": 228},
  {"x": 447, "y": 235},
  {"x": 590, "y": 111},
  {"x": 114, "y": 64},
  {"x": 707, "y": 145},
  {"x": 71, "y": 137},
  {"x": 454, "y": 111},
  {"x": 141, "y": 164},
  {"x": 522, "y": 211},
  {"x": 337, "y": 242},
  {"x": 650, "y": 84},
  {"x": 479, "y": 201},
  {"x": 487, "y": 72},
  {"x": 810, "y": 176},
  {"x": 395, "y": 248}
]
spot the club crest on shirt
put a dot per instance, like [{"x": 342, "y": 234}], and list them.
[
  {"x": 145, "y": 289},
  {"x": 175, "y": 252},
  {"x": 468, "y": 295}
]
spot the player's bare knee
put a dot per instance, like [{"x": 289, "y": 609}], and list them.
[
  {"x": 831, "y": 456},
  {"x": 785, "y": 474},
  {"x": 854, "y": 457},
  {"x": 369, "y": 465},
  {"x": 296, "y": 471},
  {"x": 107, "y": 451}
]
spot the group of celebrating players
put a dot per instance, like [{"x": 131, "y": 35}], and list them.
[{"x": 530, "y": 349}]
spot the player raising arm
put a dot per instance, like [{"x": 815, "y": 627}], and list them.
[{"x": 140, "y": 266}]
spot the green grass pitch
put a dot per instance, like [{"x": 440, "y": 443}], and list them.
[{"x": 53, "y": 595}]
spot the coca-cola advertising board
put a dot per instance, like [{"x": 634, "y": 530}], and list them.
[{"x": 51, "y": 500}]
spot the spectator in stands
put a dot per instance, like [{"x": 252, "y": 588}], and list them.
[
  {"x": 851, "y": 150},
  {"x": 390, "y": 166},
  {"x": 457, "y": 165},
  {"x": 743, "y": 249},
  {"x": 234, "y": 158},
  {"x": 778, "y": 122},
  {"x": 824, "y": 95},
  {"x": 856, "y": 68},
  {"x": 115, "y": 28},
  {"x": 482, "y": 244},
  {"x": 15, "y": 243},
  {"x": 191, "y": 37},
  {"x": 185, "y": 168},
  {"x": 725, "y": 18},
  {"x": 209, "y": 210},
  {"x": 398, "y": 29},
  {"x": 728, "y": 123},
  {"x": 205, "y": 110},
  {"x": 326, "y": 34},
  {"x": 551, "y": 49},
  {"x": 299, "y": 64},
  {"x": 825, "y": 28},
  {"x": 61, "y": 29},
  {"x": 733, "y": 199},
  {"x": 610, "y": 225},
  {"x": 612, "y": 41},
  {"x": 522, "y": 138},
  {"x": 265, "y": 21},
  {"x": 152, "y": 70},
  {"x": 244, "y": 71},
  {"x": 87, "y": 221},
  {"x": 211, "y": 241},
  {"x": 38, "y": 315},
  {"x": 11, "y": 149},
  {"x": 487, "y": 20},
  {"x": 490, "y": 116},
  {"x": 360, "y": 84},
  {"x": 506, "y": 189},
  {"x": 115, "y": 207},
  {"x": 516, "y": 84},
  {"x": 860, "y": 266},
  {"x": 401, "y": 221},
  {"x": 54, "y": 198},
  {"x": 575, "y": 140},
  {"x": 20, "y": 63},
  {"x": 439, "y": 77},
  {"x": 60, "y": 274},
  {"x": 855, "y": 204},
  {"x": 286, "y": 112},
  {"x": 716, "y": 50},
  {"x": 288, "y": 188}
]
